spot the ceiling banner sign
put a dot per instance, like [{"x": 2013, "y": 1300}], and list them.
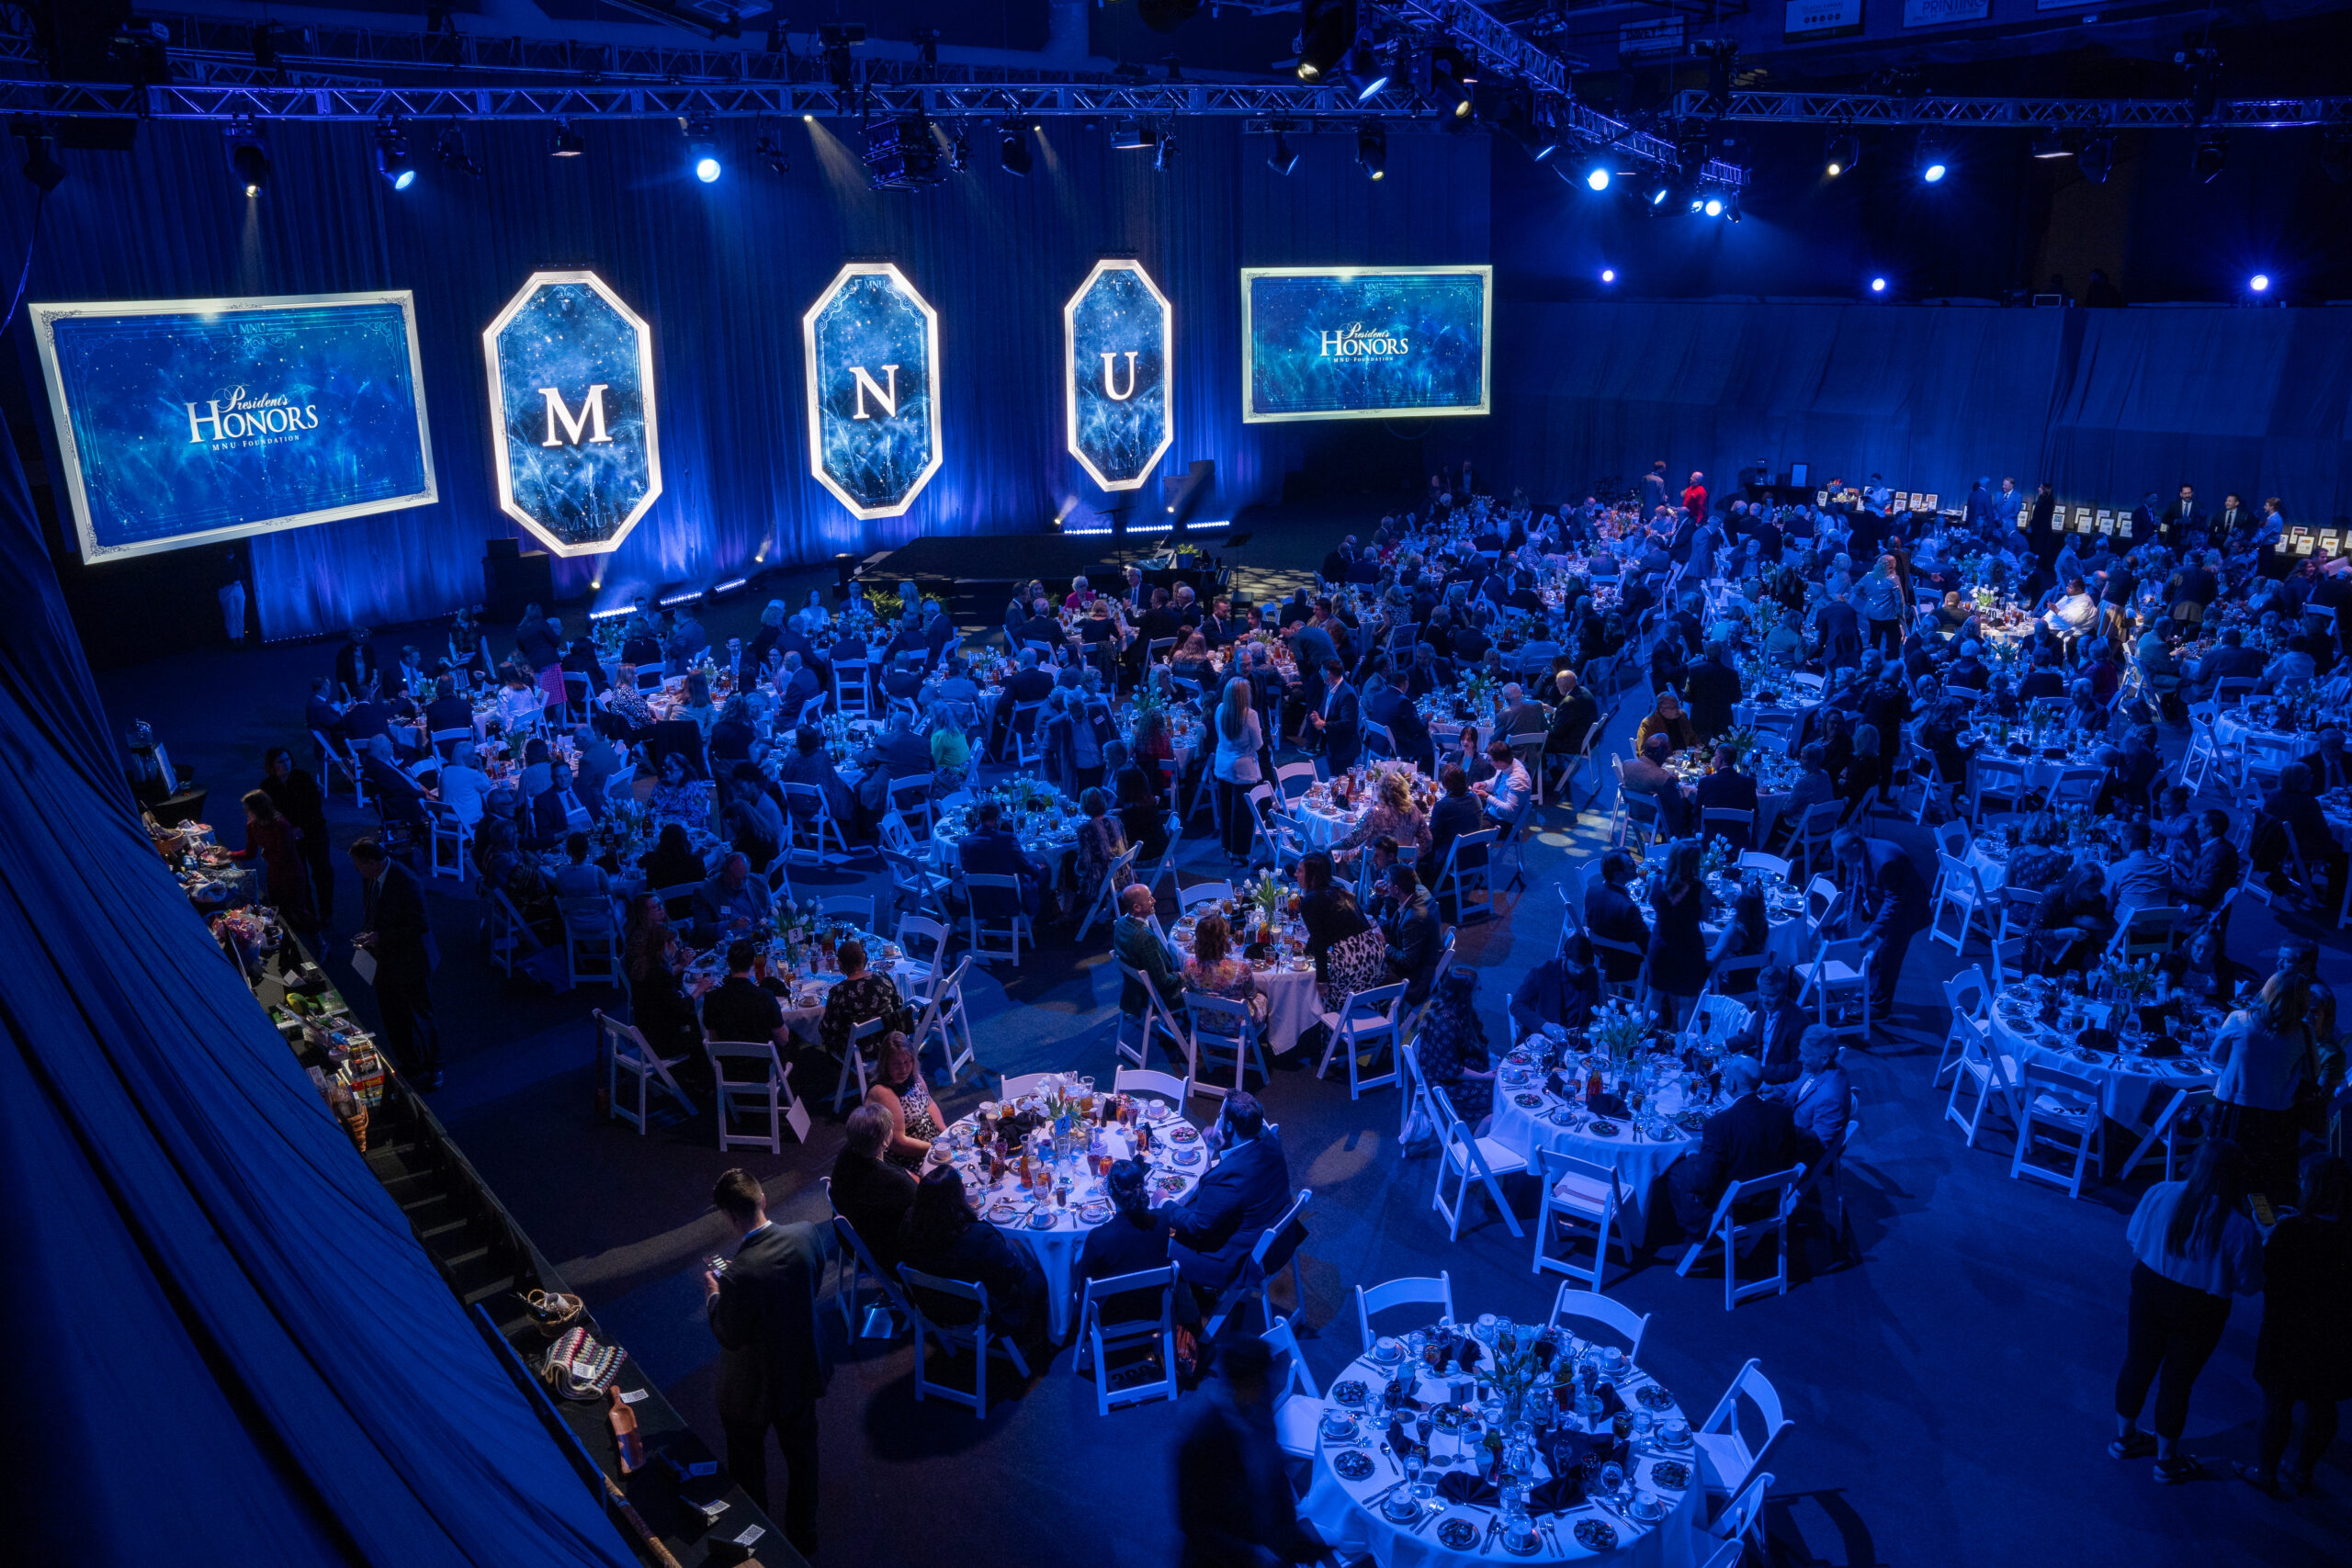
[
  {"x": 1822, "y": 18},
  {"x": 871, "y": 345},
  {"x": 1119, "y": 337},
  {"x": 1942, "y": 13},
  {"x": 1637, "y": 40},
  {"x": 572, "y": 428}
]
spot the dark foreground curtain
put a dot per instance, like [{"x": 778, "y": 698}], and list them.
[
  {"x": 723, "y": 274},
  {"x": 223, "y": 1344}
]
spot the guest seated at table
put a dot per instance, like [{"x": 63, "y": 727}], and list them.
[
  {"x": 1350, "y": 953},
  {"x": 1647, "y": 774},
  {"x": 942, "y": 1237},
  {"x": 678, "y": 796},
  {"x": 732, "y": 901},
  {"x": 1747, "y": 934},
  {"x": 2143, "y": 878},
  {"x": 1727, "y": 788},
  {"x": 1775, "y": 1026},
  {"x": 1574, "y": 713},
  {"x": 989, "y": 851},
  {"x": 1504, "y": 785},
  {"x": 806, "y": 763},
  {"x": 447, "y": 711},
  {"x": 1714, "y": 685},
  {"x": 1414, "y": 935},
  {"x": 1665, "y": 717},
  {"x": 547, "y": 815},
  {"x": 653, "y": 959},
  {"x": 869, "y": 1192},
  {"x": 1948, "y": 720},
  {"x": 1563, "y": 990},
  {"x": 1216, "y": 969},
  {"x": 671, "y": 863},
  {"x": 1101, "y": 839},
  {"x": 1216, "y": 1225},
  {"x": 860, "y": 996},
  {"x": 2295, "y": 804},
  {"x": 1452, "y": 1050},
  {"x": 897, "y": 1091},
  {"x": 740, "y": 1008},
  {"x": 2074, "y": 921},
  {"x": 1133, "y": 1240},
  {"x": 1456, "y": 813},
  {"x": 1865, "y": 767},
  {"x": 1818, "y": 1097},
  {"x": 1751, "y": 1137},
  {"x": 1610, "y": 911},
  {"x": 731, "y": 733}
]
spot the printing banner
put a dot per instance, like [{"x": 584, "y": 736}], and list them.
[
  {"x": 574, "y": 436},
  {"x": 871, "y": 345},
  {"x": 1365, "y": 343},
  {"x": 187, "y": 422},
  {"x": 1118, "y": 337}
]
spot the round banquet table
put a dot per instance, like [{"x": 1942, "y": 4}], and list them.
[
  {"x": 1326, "y": 825},
  {"x": 1294, "y": 1005},
  {"x": 1791, "y": 939},
  {"x": 2337, "y": 806},
  {"x": 2232, "y": 732},
  {"x": 1638, "y": 1153},
  {"x": 2133, "y": 1090},
  {"x": 2041, "y": 770},
  {"x": 1347, "y": 1512},
  {"x": 1055, "y": 1245},
  {"x": 1047, "y": 836},
  {"x": 803, "y": 1003}
]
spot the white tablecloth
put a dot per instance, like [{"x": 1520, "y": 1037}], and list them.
[
  {"x": 1056, "y": 1249},
  {"x": 1325, "y": 826},
  {"x": 1294, "y": 1006},
  {"x": 2132, "y": 1092},
  {"x": 1345, "y": 1512}
]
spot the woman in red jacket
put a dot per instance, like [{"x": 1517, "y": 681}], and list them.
[{"x": 271, "y": 836}]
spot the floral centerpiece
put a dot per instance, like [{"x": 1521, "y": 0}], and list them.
[
  {"x": 1744, "y": 740},
  {"x": 1616, "y": 1030},
  {"x": 1521, "y": 1356}
]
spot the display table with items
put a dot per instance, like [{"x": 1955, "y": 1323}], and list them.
[
  {"x": 1034, "y": 1167},
  {"x": 1495, "y": 1440},
  {"x": 211, "y": 880}
]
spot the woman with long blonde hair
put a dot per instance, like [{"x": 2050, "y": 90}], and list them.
[{"x": 1238, "y": 738}]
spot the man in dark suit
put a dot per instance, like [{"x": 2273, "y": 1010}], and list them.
[
  {"x": 1130, "y": 1243},
  {"x": 773, "y": 1368},
  {"x": 1573, "y": 716},
  {"x": 1243, "y": 1193},
  {"x": 1340, "y": 719},
  {"x": 1840, "y": 628},
  {"x": 738, "y": 1008},
  {"x": 1519, "y": 716},
  {"x": 448, "y": 710},
  {"x": 1342, "y": 557},
  {"x": 989, "y": 851},
  {"x": 1235, "y": 1507},
  {"x": 1886, "y": 902},
  {"x": 1714, "y": 691},
  {"x": 357, "y": 668},
  {"x": 868, "y": 1191},
  {"x": 1386, "y": 706},
  {"x": 2150, "y": 519},
  {"x": 1414, "y": 933},
  {"x": 1610, "y": 911},
  {"x": 1456, "y": 813},
  {"x": 393, "y": 931},
  {"x": 2182, "y": 518},
  {"x": 1751, "y": 1137},
  {"x": 2233, "y": 525},
  {"x": 1726, "y": 788},
  {"x": 1775, "y": 1027}
]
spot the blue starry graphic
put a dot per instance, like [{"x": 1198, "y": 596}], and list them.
[
  {"x": 580, "y": 493},
  {"x": 877, "y": 464},
  {"x": 1438, "y": 318},
  {"x": 188, "y": 422},
  {"x": 1119, "y": 405}
]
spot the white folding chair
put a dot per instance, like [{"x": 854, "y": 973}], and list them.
[
  {"x": 1578, "y": 1194},
  {"x": 1365, "y": 1025},
  {"x": 1223, "y": 1033},
  {"x": 1190, "y": 899},
  {"x": 857, "y": 909},
  {"x": 945, "y": 1017},
  {"x": 446, "y": 846},
  {"x": 1992, "y": 1073},
  {"x": 627, "y": 1057},
  {"x": 1413, "y": 1290},
  {"x": 1733, "y": 1458},
  {"x": 1103, "y": 903},
  {"x": 2057, "y": 1111},
  {"x": 1838, "y": 983},
  {"x": 1590, "y": 1307},
  {"x": 1176, "y": 1092},
  {"x": 2180, "y": 1127},
  {"x": 1156, "y": 1022},
  {"x": 592, "y": 941},
  {"x": 1299, "y": 1403},
  {"x": 996, "y": 931},
  {"x": 1469, "y": 1158},
  {"x": 1466, "y": 870},
  {"x": 1969, "y": 998},
  {"x": 977, "y": 1336},
  {"x": 853, "y": 1074},
  {"x": 1959, "y": 888},
  {"x": 1016, "y": 1086},
  {"x": 752, "y": 1083},
  {"x": 1740, "y": 1235},
  {"x": 1756, "y": 860},
  {"x": 809, "y": 822},
  {"x": 1099, "y": 1337},
  {"x": 882, "y": 1320},
  {"x": 1277, "y": 1248}
]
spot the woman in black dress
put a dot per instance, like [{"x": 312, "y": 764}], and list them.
[
  {"x": 2303, "y": 1355},
  {"x": 1679, "y": 962},
  {"x": 1348, "y": 951}
]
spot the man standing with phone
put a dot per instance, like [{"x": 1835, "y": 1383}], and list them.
[
  {"x": 762, "y": 1307},
  {"x": 396, "y": 943}
]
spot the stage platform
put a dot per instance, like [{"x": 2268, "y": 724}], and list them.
[{"x": 975, "y": 574}]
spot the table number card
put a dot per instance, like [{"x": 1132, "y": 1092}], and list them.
[{"x": 2105, "y": 520}]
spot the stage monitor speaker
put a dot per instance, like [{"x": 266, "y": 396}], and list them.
[
  {"x": 1184, "y": 494},
  {"x": 503, "y": 550},
  {"x": 512, "y": 582}
]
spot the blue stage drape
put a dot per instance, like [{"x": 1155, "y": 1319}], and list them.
[
  {"x": 723, "y": 274},
  {"x": 226, "y": 1345},
  {"x": 2104, "y": 404}
]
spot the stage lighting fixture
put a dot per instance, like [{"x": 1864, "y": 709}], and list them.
[
  {"x": 702, "y": 151},
  {"x": 1659, "y": 193},
  {"x": 1012, "y": 153},
  {"x": 449, "y": 147},
  {"x": 568, "y": 142},
  {"x": 2259, "y": 283},
  {"x": 1608, "y": 274},
  {"x": 1878, "y": 286},
  {"x": 1449, "y": 77},
  {"x": 2097, "y": 158},
  {"x": 1132, "y": 135},
  {"x": 902, "y": 155},
  {"x": 248, "y": 157},
  {"x": 1932, "y": 163},
  {"x": 2335, "y": 154},
  {"x": 1165, "y": 153},
  {"x": 1372, "y": 149},
  {"x": 769, "y": 148},
  {"x": 2213, "y": 156},
  {"x": 1712, "y": 206},
  {"x": 836, "y": 38},
  {"x": 1284, "y": 157},
  {"x": 1327, "y": 30},
  {"x": 1597, "y": 177},
  {"x": 1843, "y": 153},
  {"x": 40, "y": 165},
  {"x": 2049, "y": 143},
  {"x": 392, "y": 162},
  {"x": 1371, "y": 68}
]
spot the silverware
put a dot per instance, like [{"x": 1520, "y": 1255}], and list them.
[
  {"x": 1426, "y": 1518},
  {"x": 1388, "y": 1455}
]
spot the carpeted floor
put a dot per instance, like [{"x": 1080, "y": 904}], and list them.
[{"x": 1950, "y": 1382}]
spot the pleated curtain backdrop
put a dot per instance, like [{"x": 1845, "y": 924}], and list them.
[{"x": 723, "y": 274}]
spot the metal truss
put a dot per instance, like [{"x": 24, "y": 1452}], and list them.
[{"x": 2118, "y": 114}]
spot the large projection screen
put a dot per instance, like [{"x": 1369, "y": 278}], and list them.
[
  {"x": 1364, "y": 342},
  {"x": 187, "y": 422}
]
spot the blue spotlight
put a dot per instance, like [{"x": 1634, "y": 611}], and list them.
[
  {"x": 1598, "y": 178},
  {"x": 2259, "y": 283},
  {"x": 702, "y": 151},
  {"x": 1933, "y": 173},
  {"x": 1714, "y": 208},
  {"x": 1608, "y": 274},
  {"x": 706, "y": 169},
  {"x": 1878, "y": 286}
]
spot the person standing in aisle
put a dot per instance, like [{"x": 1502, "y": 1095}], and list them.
[
  {"x": 394, "y": 934},
  {"x": 773, "y": 1366}
]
